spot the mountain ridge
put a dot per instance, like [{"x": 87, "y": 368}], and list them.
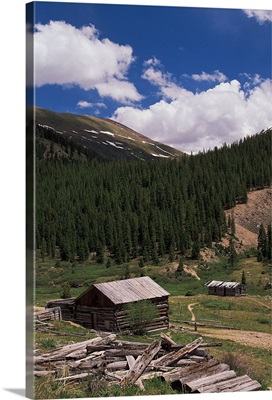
[{"x": 106, "y": 137}]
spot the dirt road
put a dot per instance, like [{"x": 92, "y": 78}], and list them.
[{"x": 259, "y": 340}]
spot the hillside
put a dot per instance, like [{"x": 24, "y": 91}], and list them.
[
  {"x": 124, "y": 210},
  {"x": 248, "y": 217},
  {"x": 104, "y": 137}
]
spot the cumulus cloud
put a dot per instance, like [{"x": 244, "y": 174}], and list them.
[
  {"x": 66, "y": 55},
  {"x": 261, "y": 16},
  {"x": 217, "y": 76},
  {"x": 197, "y": 121},
  {"x": 86, "y": 104},
  {"x": 153, "y": 74}
]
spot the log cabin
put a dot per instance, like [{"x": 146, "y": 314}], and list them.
[
  {"x": 103, "y": 306},
  {"x": 220, "y": 288}
]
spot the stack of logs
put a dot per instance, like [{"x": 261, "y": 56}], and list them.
[
  {"x": 48, "y": 314},
  {"x": 187, "y": 367}
]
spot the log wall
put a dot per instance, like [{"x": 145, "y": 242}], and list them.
[{"x": 108, "y": 318}]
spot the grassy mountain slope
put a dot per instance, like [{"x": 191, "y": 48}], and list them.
[{"x": 107, "y": 138}]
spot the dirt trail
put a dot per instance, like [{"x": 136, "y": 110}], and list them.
[
  {"x": 259, "y": 340},
  {"x": 190, "y": 308},
  {"x": 269, "y": 306}
]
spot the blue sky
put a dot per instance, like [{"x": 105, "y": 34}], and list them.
[{"x": 189, "y": 77}]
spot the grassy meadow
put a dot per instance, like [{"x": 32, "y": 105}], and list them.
[{"x": 251, "y": 313}]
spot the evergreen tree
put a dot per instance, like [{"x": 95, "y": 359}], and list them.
[
  {"x": 269, "y": 243},
  {"x": 43, "y": 249},
  {"x": 232, "y": 253},
  {"x": 100, "y": 252},
  {"x": 243, "y": 278},
  {"x": 196, "y": 250},
  {"x": 262, "y": 243}
]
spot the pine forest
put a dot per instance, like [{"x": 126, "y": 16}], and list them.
[{"x": 147, "y": 209}]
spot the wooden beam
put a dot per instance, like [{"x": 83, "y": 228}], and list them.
[
  {"x": 174, "y": 356},
  {"x": 141, "y": 363}
]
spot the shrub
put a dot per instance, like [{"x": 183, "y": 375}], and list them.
[
  {"x": 139, "y": 314},
  {"x": 190, "y": 293},
  {"x": 66, "y": 294},
  {"x": 48, "y": 343}
]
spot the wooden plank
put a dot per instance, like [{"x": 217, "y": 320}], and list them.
[
  {"x": 221, "y": 386},
  {"x": 117, "y": 365},
  {"x": 141, "y": 363},
  {"x": 131, "y": 361},
  {"x": 61, "y": 353},
  {"x": 74, "y": 377},
  {"x": 174, "y": 356},
  {"x": 222, "y": 376},
  {"x": 177, "y": 373},
  {"x": 40, "y": 374},
  {"x": 205, "y": 373},
  {"x": 245, "y": 387}
]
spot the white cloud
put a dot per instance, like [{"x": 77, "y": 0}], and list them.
[
  {"x": 217, "y": 76},
  {"x": 193, "y": 122},
  {"x": 86, "y": 104},
  {"x": 66, "y": 55},
  {"x": 260, "y": 15}
]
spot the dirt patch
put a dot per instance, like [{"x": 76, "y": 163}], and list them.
[
  {"x": 208, "y": 255},
  {"x": 192, "y": 270},
  {"x": 259, "y": 340},
  {"x": 248, "y": 217},
  {"x": 36, "y": 309}
]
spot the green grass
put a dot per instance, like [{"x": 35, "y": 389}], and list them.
[
  {"x": 244, "y": 313},
  {"x": 51, "y": 276}
]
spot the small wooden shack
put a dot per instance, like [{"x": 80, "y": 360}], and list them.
[
  {"x": 221, "y": 288},
  {"x": 103, "y": 305}
]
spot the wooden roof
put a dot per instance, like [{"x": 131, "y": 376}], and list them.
[
  {"x": 229, "y": 285},
  {"x": 130, "y": 290}
]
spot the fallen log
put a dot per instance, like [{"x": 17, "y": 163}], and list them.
[
  {"x": 216, "y": 369},
  {"x": 229, "y": 384},
  {"x": 208, "y": 380},
  {"x": 177, "y": 373},
  {"x": 74, "y": 377},
  {"x": 61, "y": 353},
  {"x": 174, "y": 356},
  {"x": 44, "y": 373},
  {"x": 131, "y": 361},
  {"x": 245, "y": 387},
  {"x": 141, "y": 363},
  {"x": 117, "y": 365}
]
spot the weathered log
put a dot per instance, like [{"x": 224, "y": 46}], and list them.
[
  {"x": 245, "y": 387},
  {"x": 208, "y": 380},
  {"x": 174, "y": 356},
  {"x": 229, "y": 384},
  {"x": 168, "y": 341},
  {"x": 141, "y": 363},
  {"x": 61, "y": 353},
  {"x": 185, "y": 361},
  {"x": 103, "y": 341},
  {"x": 81, "y": 353},
  {"x": 123, "y": 352},
  {"x": 74, "y": 377},
  {"x": 140, "y": 384},
  {"x": 202, "y": 345},
  {"x": 204, "y": 373},
  {"x": 40, "y": 374},
  {"x": 177, "y": 373},
  {"x": 131, "y": 361},
  {"x": 117, "y": 365}
]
